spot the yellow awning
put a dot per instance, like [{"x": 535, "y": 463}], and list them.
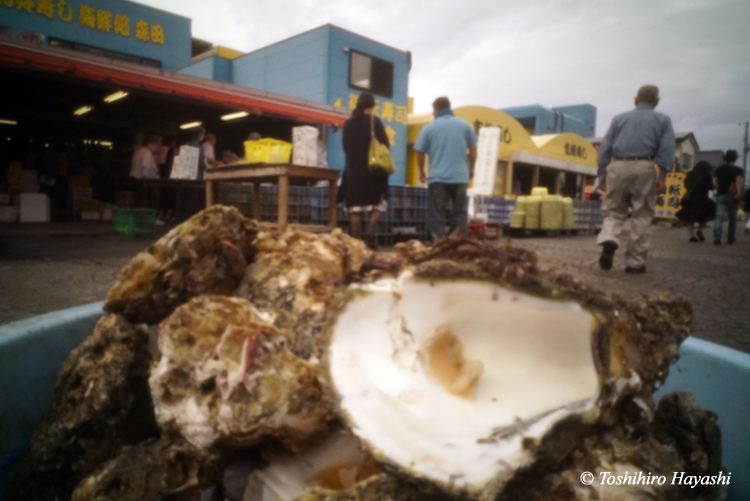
[
  {"x": 568, "y": 147},
  {"x": 514, "y": 137}
]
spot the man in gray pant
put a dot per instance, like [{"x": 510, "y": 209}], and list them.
[{"x": 635, "y": 141}]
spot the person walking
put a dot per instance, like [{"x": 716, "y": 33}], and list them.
[
  {"x": 728, "y": 195},
  {"x": 697, "y": 207},
  {"x": 635, "y": 141},
  {"x": 361, "y": 190},
  {"x": 445, "y": 141}
]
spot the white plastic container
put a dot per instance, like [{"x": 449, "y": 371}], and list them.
[
  {"x": 34, "y": 208},
  {"x": 305, "y": 145}
]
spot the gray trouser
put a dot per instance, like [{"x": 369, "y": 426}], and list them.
[
  {"x": 631, "y": 184},
  {"x": 726, "y": 207},
  {"x": 440, "y": 194}
]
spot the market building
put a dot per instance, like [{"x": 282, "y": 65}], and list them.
[
  {"x": 537, "y": 120},
  {"x": 82, "y": 82},
  {"x": 327, "y": 65},
  {"x": 563, "y": 163}
]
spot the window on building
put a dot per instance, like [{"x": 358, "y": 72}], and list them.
[
  {"x": 687, "y": 161},
  {"x": 370, "y": 73}
]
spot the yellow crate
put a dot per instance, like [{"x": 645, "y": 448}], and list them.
[{"x": 268, "y": 151}]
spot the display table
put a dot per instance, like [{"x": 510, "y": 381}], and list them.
[{"x": 280, "y": 174}]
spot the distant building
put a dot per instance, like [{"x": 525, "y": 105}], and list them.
[
  {"x": 685, "y": 152},
  {"x": 537, "y": 120},
  {"x": 713, "y": 157},
  {"x": 327, "y": 65}
]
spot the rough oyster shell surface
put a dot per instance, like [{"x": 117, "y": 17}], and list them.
[
  {"x": 226, "y": 376},
  {"x": 92, "y": 414},
  {"x": 207, "y": 254}
]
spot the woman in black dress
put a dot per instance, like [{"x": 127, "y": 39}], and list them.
[
  {"x": 697, "y": 207},
  {"x": 361, "y": 190}
]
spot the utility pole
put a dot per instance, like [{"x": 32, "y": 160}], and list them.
[{"x": 745, "y": 148}]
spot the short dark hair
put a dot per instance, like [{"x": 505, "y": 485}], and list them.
[
  {"x": 441, "y": 103},
  {"x": 702, "y": 168},
  {"x": 365, "y": 101},
  {"x": 730, "y": 156}
]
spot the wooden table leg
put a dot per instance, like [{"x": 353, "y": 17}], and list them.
[
  {"x": 210, "y": 187},
  {"x": 256, "y": 201},
  {"x": 331, "y": 204},
  {"x": 283, "y": 202}
]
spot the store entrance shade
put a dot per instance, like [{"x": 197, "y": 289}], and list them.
[{"x": 76, "y": 65}]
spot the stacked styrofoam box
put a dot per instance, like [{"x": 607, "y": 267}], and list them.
[
  {"x": 552, "y": 213},
  {"x": 34, "y": 208},
  {"x": 305, "y": 145}
]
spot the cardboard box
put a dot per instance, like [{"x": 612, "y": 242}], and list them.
[{"x": 34, "y": 208}]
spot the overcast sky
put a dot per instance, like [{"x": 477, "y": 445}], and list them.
[{"x": 554, "y": 53}]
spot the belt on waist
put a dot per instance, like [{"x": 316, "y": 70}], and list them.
[{"x": 632, "y": 158}]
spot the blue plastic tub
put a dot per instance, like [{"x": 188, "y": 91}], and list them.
[{"x": 32, "y": 350}]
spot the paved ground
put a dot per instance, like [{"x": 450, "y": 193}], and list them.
[{"x": 58, "y": 266}]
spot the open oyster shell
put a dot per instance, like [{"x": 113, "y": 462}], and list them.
[
  {"x": 207, "y": 254},
  {"x": 226, "y": 376},
  {"x": 458, "y": 364}
]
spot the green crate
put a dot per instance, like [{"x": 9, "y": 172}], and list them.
[{"x": 134, "y": 222}]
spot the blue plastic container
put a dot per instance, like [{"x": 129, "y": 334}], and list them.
[{"x": 32, "y": 350}]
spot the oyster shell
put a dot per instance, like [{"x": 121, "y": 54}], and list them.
[
  {"x": 207, "y": 254},
  {"x": 94, "y": 411},
  {"x": 295, "y": 277},
  {"x": 151, "y": 471},
  {"x": 528, "y": 352},
  {"x": 226, "y": 376}
]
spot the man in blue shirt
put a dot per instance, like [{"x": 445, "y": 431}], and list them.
[
  {"x": 635, "y": 141},
  {"x": 445, "y": 141}
]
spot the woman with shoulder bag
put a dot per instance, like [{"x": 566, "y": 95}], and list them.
[
  {"x": 697, "y": 207},
  {"x": 362, "y": 190}
]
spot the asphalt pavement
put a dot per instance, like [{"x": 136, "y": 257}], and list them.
[{"x": 48, "y": 267}]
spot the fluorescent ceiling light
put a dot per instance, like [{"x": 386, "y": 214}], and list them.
[
  {"x": 190, "y": 125},
  {"x": 232, "y": 116},
  {"x": 82, "y": 110},
  {"x": 105, "y": 143},
  {"x": 114, "y": 97},
  {"x": 8, "y": 122}
]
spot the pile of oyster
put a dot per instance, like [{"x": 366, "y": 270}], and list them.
[{"x": 236, "y": 363}]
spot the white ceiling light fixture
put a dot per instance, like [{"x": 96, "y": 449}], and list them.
[
  {"x": 191, "y": 125},
  {"x": 114, "y": 97},
  {"x": 82, "y": 110},
  {"x": 233, "y": 116},
  {"x": 105, "y": 143},
  {"x": 8, "y": 122}
]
